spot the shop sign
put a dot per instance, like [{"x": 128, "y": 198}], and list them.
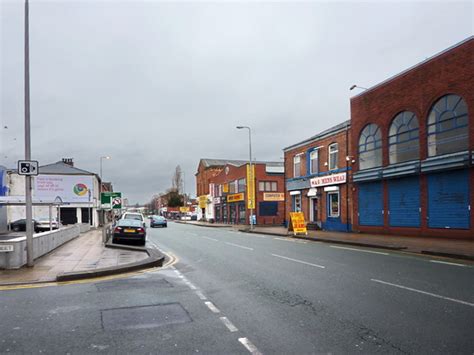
[
  {"x": 217, "y": 200},
  {"x": 225, "y": 188},
  {"x": 273, "y": 196},
  {"x": 235, "y": 197},
  {"x": 297, "y": 223},
  {"x": 202, "y": 201},
  {"x": 328, "y": 180},
  {"x": 184, "y": 209},
  {"x": 250, "y": 187}
]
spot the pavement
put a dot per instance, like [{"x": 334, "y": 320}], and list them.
[
  {"x": 83, "y": 257},
  {"x": 447, "y": 247}
]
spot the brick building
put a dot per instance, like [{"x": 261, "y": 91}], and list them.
[
  {"x": 413, "y": 136},
  {"x": 317, "y": 175},
  {"x": 229, "y": 193}
]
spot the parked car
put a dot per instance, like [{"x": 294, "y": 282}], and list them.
[
  {"x": 43, "y": 223},
  {"x": 194, "y": 217},
  {"x": 20, "y": 225},
  {"x": 134, "y": 215},
  {"x": 158, "y": 221},
  {"x": 129, "y": 230}
]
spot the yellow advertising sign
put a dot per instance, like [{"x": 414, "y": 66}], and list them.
[
  {"x": 184, "y": 209},
  {"x": 235, "y": 197},
  {"x": 225, "y": 188},
  {"x": 297, "y": 223},
  {"x": 251, "y": 187},
  {"x": 202, "y": 201},
  {"x": 273, "y": 196}
]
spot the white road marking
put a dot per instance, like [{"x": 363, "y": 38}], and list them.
[
  {"x": 211, "y": 306},
  {"x": 299, "y": 261},
  {"x": 239, "y": 246},
  {"x": 249, "y": 346},
  {"x": 291, "y": 240},
  {"x": 215, "y": 240},
  {"x": 228, "y": 324},
  {"x": 361, "y": 250},
  {"x": 424, "y": 292},
  {"x": 201, "y": 295},
  {"x": 447, "y": 263},
  {"x": 191, "y": 286}
]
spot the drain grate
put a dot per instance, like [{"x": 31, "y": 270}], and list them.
[{"x": 144, "y": 317}]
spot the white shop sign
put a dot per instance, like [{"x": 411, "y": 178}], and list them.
[
  {"x": 328, "y": 180},
  {"x": 6, "y": 248}
]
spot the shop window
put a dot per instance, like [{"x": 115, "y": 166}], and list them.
[
  {"x": 297, "y": 166},
  {"x": 296, "y": 203},
  {"x": 314, "y": 161},
  {"x": 370, "y": 147},
  {"x": 333, "y": 204},
  {"x": 448, "y": 126},
  {"x": 241, "y": 185},
  {"x": 403, "y": 139},
  {"x": 333, "y": 156},
  {"x": 268, "y": 208},
  {"x": 268, "y": 186},
  {"x": 232, "y": 187}
]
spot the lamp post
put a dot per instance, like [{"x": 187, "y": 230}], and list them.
[
  {"x": 250, "y": 196},
  {"x": 357, "y": 86},
  {"x": 100, "y": 186}
]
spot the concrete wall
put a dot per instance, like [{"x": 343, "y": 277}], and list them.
[{"x": 43, "y": 243}]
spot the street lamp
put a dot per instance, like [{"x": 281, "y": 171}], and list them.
[
  {"x": 100, "y": 184},
  {"x": 357, "y": 86},
  {"x": 250, "y": 196}
]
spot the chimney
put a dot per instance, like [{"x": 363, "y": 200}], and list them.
[{"x": 68, "y": 161}]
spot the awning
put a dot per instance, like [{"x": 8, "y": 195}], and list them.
[
  {"x": 331, "y": 188},
  {"x": 312, "y": 192},
  {"x": 292, "y": 193}
]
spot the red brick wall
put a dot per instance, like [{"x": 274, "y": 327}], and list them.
[
  {"x": 417, "y": 90},
  {"x": 203, "y": 178}
]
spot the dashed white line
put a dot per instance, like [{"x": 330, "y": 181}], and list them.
[
  {"x": 424, "y": 292},
  {"x": 239, "y": 246},
  {"x": 211, "y": 306},
  {"x": 191, "y": 286},
  {"x": 299, "y": 261},
  {"x": 201, "y": 295},
  {"x": 228, "y": 324},
  {"x": 291, "y": 240},
  {"x": 249, "y": 346},
  {"x": 361, "y": 250},
  {"x": 215, "y": 240},
  {"x": 447, "y": 263}
]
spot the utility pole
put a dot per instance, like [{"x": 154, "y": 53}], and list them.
[{"x": 28, "y": 199}]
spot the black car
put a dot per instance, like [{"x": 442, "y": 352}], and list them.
[
  {"x": 20, "y": 225},
  {"x": 129, "y": 230}
]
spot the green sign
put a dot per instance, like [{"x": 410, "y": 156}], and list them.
[{"x": 111, "y": 200}]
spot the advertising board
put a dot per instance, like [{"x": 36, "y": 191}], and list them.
[{"x": 70, "y": 188}]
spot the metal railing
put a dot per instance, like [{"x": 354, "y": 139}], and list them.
[{"x": 106, "y": 232}]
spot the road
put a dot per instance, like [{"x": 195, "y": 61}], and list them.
[{"x": 232, "y": 292}]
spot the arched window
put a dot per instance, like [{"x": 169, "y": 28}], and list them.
[
  {"x": 448, "y": 126},
  {"x": 370, "y": 147},
  {"x": 403, "y": 138}
]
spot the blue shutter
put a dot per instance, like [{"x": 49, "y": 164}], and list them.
[
  {"x": 371, "y": 204},
  {"x": 448, "y": 200},
  {"x": 404, "y": 202}
]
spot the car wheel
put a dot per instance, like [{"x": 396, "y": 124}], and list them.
[{"x": 16, "y": 228}]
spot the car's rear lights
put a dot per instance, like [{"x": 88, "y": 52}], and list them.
[
  {"x": 117, "y": 229},
  {"x": 141, "y": 230}
]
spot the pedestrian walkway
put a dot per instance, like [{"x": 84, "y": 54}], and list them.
[
  {"x": 84, "y": 253},
  {"x": 456, "y": 248}
]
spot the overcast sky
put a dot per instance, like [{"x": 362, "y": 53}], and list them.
[{"x": 156, "y": 84}]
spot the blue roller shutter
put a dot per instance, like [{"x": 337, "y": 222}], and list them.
[
  {"x": 448, "y": 200},
  {"x": 404, "y": 202},
  {"x": 371, "y": 204}
]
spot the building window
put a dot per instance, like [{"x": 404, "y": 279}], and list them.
[
  {"x": 267, "y": 186},
  {"x": 333, "y": 156},
  {"x": 448, "y": 126},
  {"x": 370, "y": 147},
  {"x": 297, "y": 166},
  {"x": 232, "y": 187},
  {"x": 241, "y": 185},
  {"x": 314, "y": 161},
  {"x": 403, "y": 139},
  {"x": 333, "y": 204}
]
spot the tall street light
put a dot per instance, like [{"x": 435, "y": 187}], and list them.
[
  {"x": 250, "y": 196},
  {"x": 100, "y": 185}
]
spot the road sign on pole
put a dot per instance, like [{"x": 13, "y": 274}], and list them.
[
  {"x": 111, "y": 200},
  {"x": 28, "y": 167}
]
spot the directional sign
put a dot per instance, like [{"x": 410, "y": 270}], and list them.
[
  {"x": 28, "y": 167},
  {"x": 107, "y": 200}
]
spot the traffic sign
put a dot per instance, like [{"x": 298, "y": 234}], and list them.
[
  {"x": 117, "y": 203},
  {"x": 28, "y": 167},
  {"x": 107, "y": 200}
]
